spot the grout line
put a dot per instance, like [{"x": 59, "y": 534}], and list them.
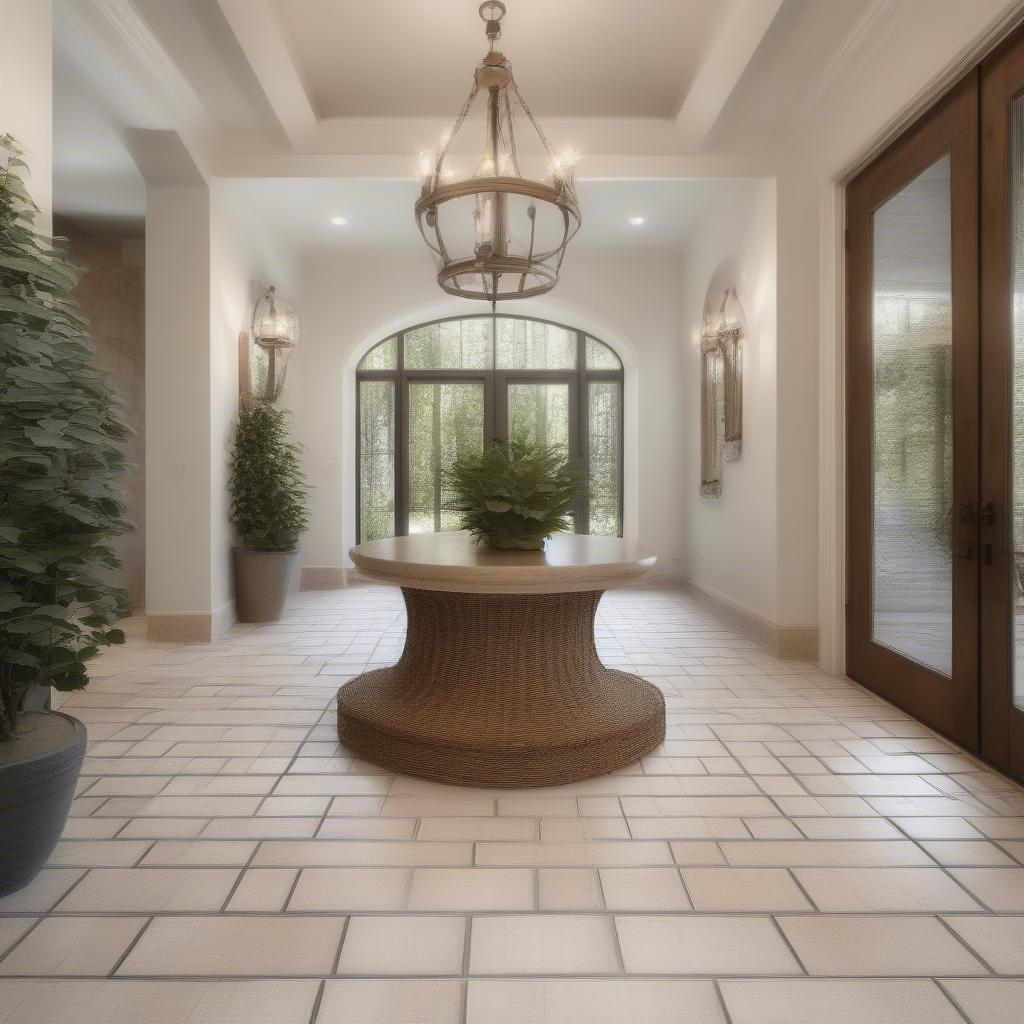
[
  {"x": 31, "y": 928},
  {"x": 341, "y": 943},
  {"x": 721, "y": 1001},
  {"x": 963, "y": 942},
  {"x": 131, "y": 945},
  {"x": 789, "y": 945},
  {"x": 949, "y": 995},
  {"x": 315, "y": 1012}
]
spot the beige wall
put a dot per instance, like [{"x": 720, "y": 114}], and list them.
[
  {"x": 112, "y": 294},
  {"x": 26, "y": 93},
  {"x": 731, "y": 541}
]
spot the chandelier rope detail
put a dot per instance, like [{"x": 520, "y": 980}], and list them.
[{"x": 497, "y": 235}]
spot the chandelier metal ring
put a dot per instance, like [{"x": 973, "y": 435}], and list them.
[{"x": 508, "y": 237}]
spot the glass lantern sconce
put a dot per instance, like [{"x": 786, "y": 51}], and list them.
[{"x": 274, "y": 335}]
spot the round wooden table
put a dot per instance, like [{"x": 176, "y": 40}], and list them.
[{"x": 499, "y": 683}]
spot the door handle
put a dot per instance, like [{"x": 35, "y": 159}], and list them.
[
  {"x": 963, "y": 551},
  {"x": 987, "y": 513}
]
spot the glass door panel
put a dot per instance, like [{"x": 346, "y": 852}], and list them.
[
  {"x": 912, "y": 335},
  {"x": 604, "y": 456},
  {"x": 446, "y": 419},
  {"x": 912, "y": 419},
  {"x": 1014, "y": 583},
  {"x": 538, "y": 413},
  {"x": 376, "y": 459}
]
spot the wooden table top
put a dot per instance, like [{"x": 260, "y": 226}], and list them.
[{"x": 453, "y": 562}]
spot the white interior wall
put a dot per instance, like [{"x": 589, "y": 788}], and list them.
[
  {"x": 730, "y": 541},
  {"x": 348, "y": 300},
  {"x": 26, "y": 94}
]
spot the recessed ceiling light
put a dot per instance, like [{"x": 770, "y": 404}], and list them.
[
  {"x": 339, "y": 221},
  {"x": 636, "y": 221}
]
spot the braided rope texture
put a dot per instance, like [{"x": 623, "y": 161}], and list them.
[{"x": 502, "y": 690}]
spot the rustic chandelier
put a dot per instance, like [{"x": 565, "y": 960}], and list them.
[{"x": 497, "y": 234}]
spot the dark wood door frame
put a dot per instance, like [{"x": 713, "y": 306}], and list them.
[
  {"x": 948, "y": 705},
  {"x": 1002, "y": 724}
]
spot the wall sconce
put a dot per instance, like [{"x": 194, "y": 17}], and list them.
[{"x": 273, "y": 336}]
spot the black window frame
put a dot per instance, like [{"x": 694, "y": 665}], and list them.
[{"x": 495, "y": 412}]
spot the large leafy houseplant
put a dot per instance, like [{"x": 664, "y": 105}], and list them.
[
  {"x": 516, "y": 494},
  {"x": 61, "y": 438},
  {"x": 268, "y": 488}
]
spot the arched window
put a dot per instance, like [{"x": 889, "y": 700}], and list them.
[{"x": 433, "y": 391}]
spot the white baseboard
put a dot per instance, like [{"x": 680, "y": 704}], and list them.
[{"x": 799, "y": 643}]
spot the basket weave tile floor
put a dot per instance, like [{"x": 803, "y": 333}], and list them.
[{"x": 796, "y": 851}]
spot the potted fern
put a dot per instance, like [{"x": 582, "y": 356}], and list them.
[
  {"x": 60, "y": 456},
  {"x": 516, "y": 494},
  {"x": 268, "y": 509}
]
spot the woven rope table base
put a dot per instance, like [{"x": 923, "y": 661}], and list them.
[{"x": 500, "y": 690}]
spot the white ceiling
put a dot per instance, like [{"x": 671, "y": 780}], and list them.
[
  {"x": 296, "y": 213},
  {"x": 575, "y": 58},
  {"x": 338, "y": 96}
]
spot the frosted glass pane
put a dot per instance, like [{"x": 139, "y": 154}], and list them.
[
  {"x": 604, "y": 442},
  {"x": 1016, "y": 583},
  {"x": 601, "y": 357},
  {"x": 376, "y": 459},
  {"x": 450, "y": 345},
  {"x": 539, "y": 414},
  {"x": 446, "y": 419},
  {"x": 913, "y": 421},
  {"x": 533, "y": 345},
  {"x": 383, "y": 356}
]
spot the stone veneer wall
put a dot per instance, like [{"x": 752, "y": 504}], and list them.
[{"x": 112, "y": 293}]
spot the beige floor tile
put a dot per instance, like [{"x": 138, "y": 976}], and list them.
[
  {"x": 999, "y": 889},
  {"x": 537, "y": 806},
  {"x": 202, "y": 853},
  {"x": 592, "y": 1001},
  {"x": 848, "y": 944},
  {"x": 697, "y": 806},
  {"x": 439, "y": 807},
  {"x": 472, "y": 889},
  {"x": 166, "y": 828},
  {"x": 181, "y": 806},
  {"x": 261, "y": 828},
  {"x": 543, "y": 944},
  {"x": 808, "y": 853},
  {"x": 233, "y": 946},
  {"x": 816, "y": 1001},
  {"x": 263, "y": 889},
  {"x": 883, "y": 890},
  {"x": 643, "y": 889},
  {"x": 92, "y": 828},
  {"x": 446, "y": 829},
  {"x": 572, "y": 830},
  {"x": 697, "y": 944},
  {"x": 73, "y": 945},
  {"x": 150, "y": 890},
  {"x": 351, "y": 889},
  {"x": 325, "y": 852},
  {"x": 992, "y": 1001},
  {"x": 573, "y": 854},
  {"x": 743, "y": 889},
  {"x": 965, "y": 853},
  {"x": 114, "y": 853},
  {"x": 403, "y": 946},
  {"x": 696, "y": 853},
  {"x": 568, "y": 889},
  {"x": 156, "y": 1002},
  {"x": 847, "y": 828},
  {"x": 936, "y": 828},
  {"x": 367, "y": 828},
  {"x": 373, "y": 1001},
  {"x": 998, "y": 940},
  {"x": 42, "y": 892}
]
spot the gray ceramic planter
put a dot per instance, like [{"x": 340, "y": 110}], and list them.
[
  {"x": 38, "y": 772},
  {"x": 262, "y": 582}
]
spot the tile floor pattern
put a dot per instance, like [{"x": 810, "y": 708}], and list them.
[{"x": 796, "y": 852}]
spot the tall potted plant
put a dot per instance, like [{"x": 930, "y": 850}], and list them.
[
  {"x": 60, "y": 456},
  {"x": 268, "y": 509}
]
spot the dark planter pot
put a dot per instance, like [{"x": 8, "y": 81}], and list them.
[
  {"x": 262, "y": 582},
  {"x": 38, "y": 772}
]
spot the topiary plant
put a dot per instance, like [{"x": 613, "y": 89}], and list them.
[
  {"x": 60, "y": 456},
  {"x": 268, "y": 489},
  {"x": 516, "y": 494}
]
